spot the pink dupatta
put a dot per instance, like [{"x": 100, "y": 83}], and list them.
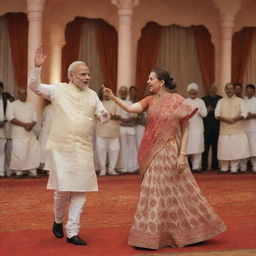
[{"x": 164, "y": 118}]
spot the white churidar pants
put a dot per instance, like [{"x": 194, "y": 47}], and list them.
[
  {"x": 234, "y": 164},
  {"x": 76, "y": 202},
  {"x": 110, "y": 146},
  {"x": 243, "y": 164},
  {"x": 129, "y": 158},
  {"x": 196, "y": 160}
]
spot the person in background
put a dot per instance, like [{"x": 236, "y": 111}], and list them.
[
  {"x": 107, "y": 137},
  {"x": 195, "y": 146},
  {"x": 233, "y": 143},
  {"x": 238, "y": 90},
  {"x": 211, "y": 129},
  {"x": 8, "y": 144},
  {"x": 44, "y": 133},
  {"x": 250, "y": 127},
  {"x": 141, "y": 117},
  {"x": 128, "y": 154},
  {"x": 2, "y": 139},
  {"x": 25, "y": 148}
]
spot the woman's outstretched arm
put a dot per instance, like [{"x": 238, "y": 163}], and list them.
[{"x": 133, "y": 108}]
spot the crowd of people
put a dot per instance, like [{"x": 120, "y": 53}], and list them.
[
  {"x": 227, "y": 125},
  {"x": 224, "y": 127}
]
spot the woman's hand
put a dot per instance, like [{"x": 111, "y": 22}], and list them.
[
  {"x": 181, "y": 163},
  {"x": 109, "y": 93}
]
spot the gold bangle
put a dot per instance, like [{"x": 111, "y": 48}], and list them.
[{"x": 182, "y": 153}]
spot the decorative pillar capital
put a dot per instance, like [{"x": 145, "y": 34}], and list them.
[
  {"x": 35, "y": 9},
  {"x": 125, "y": 6}
]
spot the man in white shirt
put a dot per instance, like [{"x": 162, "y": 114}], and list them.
[
  {"x": 25, "y": 148},
  {"x": 2, "y": 139},
  {"x": 70, "y": 142},
  {"x": 233, "y": 143},
  {"x": 195, "y": 146},
  {"x": 128, "y": 159},
  {"x": 250, "y": 127},
  {"x": 107, "y": 137}
]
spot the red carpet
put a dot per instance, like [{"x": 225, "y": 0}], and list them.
[{"x": 26, "y": 216}]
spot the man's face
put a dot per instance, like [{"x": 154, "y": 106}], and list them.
[
  {"x": 123, "y": 92},
  {"x": 192, "y": 93},
  {"x": 22, "y": 95},
  {"x": 133, "y": 93},
  {"x": 238, "y": 91},
  {"x": 213, "y": 90},
  {"x": 80, "y": 76},
  {"x": 229, "y": 89},
  {"x": 250, "y": 92}
]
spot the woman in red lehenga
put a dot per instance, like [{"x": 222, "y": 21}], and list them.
[{"x": 171, "y": 210}]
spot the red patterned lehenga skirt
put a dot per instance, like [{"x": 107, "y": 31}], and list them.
[{"x": 171, "y": 210}]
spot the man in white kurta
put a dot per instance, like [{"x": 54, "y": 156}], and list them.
[
  {"x": 70, "y": 159},
  {"x": 128, "y": 159},
  {"x": 107, "y": 138},
  {"x": 233, "y": 143},
  {"x": 25, "y": 147},
  {"x": 2, "y": 139},
  {"x": 250, "y": 127},
  {"x": 195, "y": 146}
]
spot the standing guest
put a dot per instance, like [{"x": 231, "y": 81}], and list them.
[
  {"x": 233, "y": 143},
  {"x": 44, "y": 133},
  {"x": 238, "y": 90},
  {"x": 8, "y": 144},
  {"x": 141, "y": 117},
  {"x": 2, "y": 139},
  {"x": 107, "y": 137},
  {"x": 250, "y": 127},
  {"x": 171, "y": 210},
  {"x": 128, "y": 154},
  {"x": 195, "y": 146},
  {"x": 211, "y": 129},
  {"x": 25, "y": 148},
  {"x": 70, "y": 158}
]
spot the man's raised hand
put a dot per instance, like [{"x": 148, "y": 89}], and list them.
[{"x": 39, "y": 57}]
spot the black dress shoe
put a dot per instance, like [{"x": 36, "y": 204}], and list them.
[
  {"x": 57, "y": 229},
  {"x": 76, "y": 240}
]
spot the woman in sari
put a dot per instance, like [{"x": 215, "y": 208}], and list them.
[{"x": 171, "y": 210}]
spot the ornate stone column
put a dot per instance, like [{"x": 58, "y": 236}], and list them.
[
  {"x": 228, "y": 10},
  {"x": 124, "y": 66},
  {"x": 35, "y": 10},
  {"x": 226, "y": 50},
  {"x": 57, "y": 41}
]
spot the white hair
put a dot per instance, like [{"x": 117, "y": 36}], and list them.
[
  {"x": 193, "y": 86},
  {"x": 73, "y": 65}
]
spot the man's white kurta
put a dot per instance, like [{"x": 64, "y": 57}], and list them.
[
  {"x": 250, "y": 125},
  {"x": 233, "y": 142},
  {"x": 70, "y": 160},
  {"x": 25, "y": 148},
  {"x": 196, "y": 128}
]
